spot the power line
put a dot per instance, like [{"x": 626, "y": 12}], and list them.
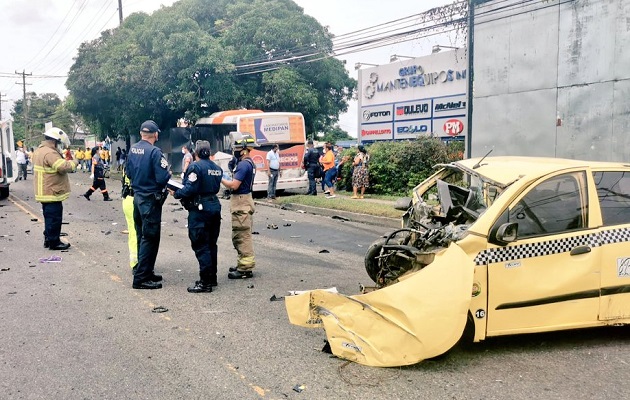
[
  {"x": 81, "y": 8},
  {"x": 53, "y": 35},
  {"x": 369, "y": 43}
]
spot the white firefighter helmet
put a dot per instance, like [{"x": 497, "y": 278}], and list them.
[{"x": 58, "y": 135}]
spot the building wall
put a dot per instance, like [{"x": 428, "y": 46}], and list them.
[{"x": 552, "y": 78}]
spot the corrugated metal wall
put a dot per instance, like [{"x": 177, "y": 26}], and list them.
[{"x": 552, "y": 78}]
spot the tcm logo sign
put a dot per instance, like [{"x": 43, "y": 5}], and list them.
[
  {"x": 453, "y": 127},
  {"x": 367, "y": 114}
]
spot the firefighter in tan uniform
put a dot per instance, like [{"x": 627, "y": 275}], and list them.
[
  {"x": 52, "y": 185},
  {"x": 242, "y": 205}
]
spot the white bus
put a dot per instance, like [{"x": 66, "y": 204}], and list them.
[
  {"x": 8, "y": 163},
  {"x": 283, "y": 128}
]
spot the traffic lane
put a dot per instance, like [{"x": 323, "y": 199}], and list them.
[
  {"x": 323, "y": 232},
  {"x": 75, "y": 330},
  {"x": 252, "y": 339},
  {"x": 250, "y": 311}
]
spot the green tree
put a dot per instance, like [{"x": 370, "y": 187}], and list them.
[
  {"x": 40, "y": 109},
  {"x": 335, "y": 134},
  {"x": 201, "y": 56}
]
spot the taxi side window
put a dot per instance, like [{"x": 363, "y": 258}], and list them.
[
  {"x": 556, "y": 205},
  {"x": 613, "y": 191}
]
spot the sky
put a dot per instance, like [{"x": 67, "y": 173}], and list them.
[{"x": 41, "y": 37}]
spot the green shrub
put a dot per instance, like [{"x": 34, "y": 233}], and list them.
[{"x": 397, "y": 167}]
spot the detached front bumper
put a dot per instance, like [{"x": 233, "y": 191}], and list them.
[{"x": 420, "y": 317}]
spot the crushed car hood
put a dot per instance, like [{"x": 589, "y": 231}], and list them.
[{"x": 420, "y": 317}]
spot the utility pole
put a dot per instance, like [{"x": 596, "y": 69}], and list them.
[
  {"x": 24, "y": 105},
  {"x": 2, "y": 101},
  {"x": 120, "y": 17}
]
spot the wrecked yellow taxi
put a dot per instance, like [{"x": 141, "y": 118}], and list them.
[{"x": 489, "y": 246}]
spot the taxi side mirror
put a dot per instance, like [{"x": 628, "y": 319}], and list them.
[{"x": 507, "y": 233}]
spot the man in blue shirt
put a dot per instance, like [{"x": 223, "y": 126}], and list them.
[
  {"x": 273, "y": 163},
  {"x": 148, "y": 171},
  {"x": 242, "y": 205}
]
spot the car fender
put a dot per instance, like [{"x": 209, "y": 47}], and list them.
[{"x": 420, "y": 317}]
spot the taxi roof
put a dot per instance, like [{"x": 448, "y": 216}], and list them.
[{"x": 507, "y": 169}]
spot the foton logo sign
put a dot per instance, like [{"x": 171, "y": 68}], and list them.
[
  {"x": 367, "y": 114},
  {"x": 453, "y": 127}
]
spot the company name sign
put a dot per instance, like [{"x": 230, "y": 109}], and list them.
[
  {"x": 425, "y": 96},
  {"x": 410, "y": 77}
]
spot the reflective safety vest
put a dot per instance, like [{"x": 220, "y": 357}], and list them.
[{"x": 50, "y": 170}]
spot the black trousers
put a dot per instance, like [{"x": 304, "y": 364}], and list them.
[
  {"x": 22, "y": 171},
  {"x": 53, "y": 217},
  {"x": 312, "y": 185},
  {"x": 147, "y": 218},
  {"x": 203, "y": 231}
]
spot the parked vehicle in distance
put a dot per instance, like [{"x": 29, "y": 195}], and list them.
[
  {"x": 8, "y": 163},
  {"x": 283, "y": 128},
  {"x": 489, "y": 247}
]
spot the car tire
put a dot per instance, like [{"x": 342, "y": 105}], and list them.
[
  {"x": 4, "y": 192},
  {"x": 371, "y": 265}
]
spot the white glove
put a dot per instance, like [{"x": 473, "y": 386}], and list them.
[{"x": 92, "y": 176}]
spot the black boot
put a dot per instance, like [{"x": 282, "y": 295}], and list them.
[
  {"x": 88, "y": 193},
  {"x": 200, "y": 287},
  {"x": 106, "y": 197}
]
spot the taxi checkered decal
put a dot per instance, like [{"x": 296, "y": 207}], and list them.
[{"x": 547, "y": 247}]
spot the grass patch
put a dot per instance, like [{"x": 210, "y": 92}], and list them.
[{"x": 344, "y": 204}]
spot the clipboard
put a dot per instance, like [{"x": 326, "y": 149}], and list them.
[{"x": 174, "y": 185}]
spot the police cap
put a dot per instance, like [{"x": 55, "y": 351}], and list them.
[{"x": 149, "y": 126}]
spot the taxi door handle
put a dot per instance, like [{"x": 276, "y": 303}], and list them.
[{"x": 580, "y": 250}]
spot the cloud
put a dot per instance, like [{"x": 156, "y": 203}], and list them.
[{"x": 27, "y": 14}]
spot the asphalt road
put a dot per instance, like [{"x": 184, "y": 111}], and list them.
[{"x": 76, "y": 330}]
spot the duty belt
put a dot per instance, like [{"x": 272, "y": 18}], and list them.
[{"x": 205, "y": 197}]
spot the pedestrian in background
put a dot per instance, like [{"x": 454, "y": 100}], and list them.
[
  {"x": 242, "y": 206},
  {"x": 273, "y": 170},
  {"x": 117, "y": 154},
  {"x": 98, "y": 177},
  {"x": 311, "y": 165},
  {"x": 360, "y": 179},
  {"x": 202, "y": 182},
  {"x": 330, "y": 172},
  {"x": 187, "y": 159},
  {"x": 87, "y": 160},
  {"x": 123, "y": 158},
  {"x": 79, "y": 156},
  {"x": 147, "y": 169},
  {"x": 22, "y": 161},
  {"x": 67, "y": 154},
  {"x": 52, "y": 185}
]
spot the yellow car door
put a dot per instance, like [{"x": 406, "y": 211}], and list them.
[
  {"x": 548, "y": 277},
  {"x": 613, "y": 194}
]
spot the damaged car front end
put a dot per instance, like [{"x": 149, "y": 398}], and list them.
[{"x": 419, "y": 306}]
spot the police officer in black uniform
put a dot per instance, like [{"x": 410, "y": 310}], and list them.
[
  {"x": 202, "y": 182},
  {"x": 147, "y": 169},
  {"x": 311, "y": 164}
]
